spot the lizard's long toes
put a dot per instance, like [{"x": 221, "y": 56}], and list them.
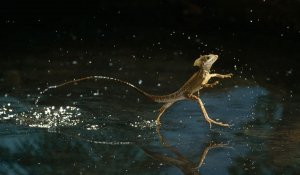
[{"x": 227, "y": 125}]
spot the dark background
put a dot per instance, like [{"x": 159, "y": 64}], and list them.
[
  {"x": 263, "y": 34},
  {"x": 44, "y": 43},
  {"x": 231, "y": 16}
]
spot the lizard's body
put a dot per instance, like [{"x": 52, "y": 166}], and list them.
[{"x": 194, "y": 84}]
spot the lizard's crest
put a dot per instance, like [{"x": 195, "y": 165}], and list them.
[{"x": 206, "y": 61}]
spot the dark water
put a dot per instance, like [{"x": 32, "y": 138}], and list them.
[{"x": 103, "y": 127}]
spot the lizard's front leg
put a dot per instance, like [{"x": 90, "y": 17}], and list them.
[
  {"x": 210, "y": 85},
  {"x": 198, "y": 100},
  {"x": 221, "y": 76}
]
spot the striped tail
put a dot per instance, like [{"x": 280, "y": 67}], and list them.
[{"x": 150, "y": 97}]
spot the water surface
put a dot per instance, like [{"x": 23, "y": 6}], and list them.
[{"x": 92, "y": 126}]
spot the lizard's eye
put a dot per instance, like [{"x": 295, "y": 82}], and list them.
[{"x": 204, "y": 59}]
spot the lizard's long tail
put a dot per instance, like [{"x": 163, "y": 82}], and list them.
[{"x": 149, "y": 96}]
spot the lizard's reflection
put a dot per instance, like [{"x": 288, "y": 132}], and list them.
[{"x": 180, "y": 161}]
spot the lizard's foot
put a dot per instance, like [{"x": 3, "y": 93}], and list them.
[
  {"x": 228, "y": 75},
  {"x": 216, "y": 82},
  {"x": 157, "y": 122},
  {"x": 217, "y": 123}
]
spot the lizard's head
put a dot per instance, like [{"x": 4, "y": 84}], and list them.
[{"x": 206, "y": 61}]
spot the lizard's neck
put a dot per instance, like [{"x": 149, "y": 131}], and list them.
[
  {"x": 204, "y": 73},
  {"x": 200, "y": 77}
]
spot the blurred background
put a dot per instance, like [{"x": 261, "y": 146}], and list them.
[
  {"x": 262, "y": 34},
  {"x": 90, "y": 127}
]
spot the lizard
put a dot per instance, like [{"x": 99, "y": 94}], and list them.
[{"x": 194, "y": 84}]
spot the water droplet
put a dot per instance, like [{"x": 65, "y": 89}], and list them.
[{"x": 140, "y": 82}]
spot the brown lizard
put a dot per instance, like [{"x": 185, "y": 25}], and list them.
[{"x": 194, "y": 84}]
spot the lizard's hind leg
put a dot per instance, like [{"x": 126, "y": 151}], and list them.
[
  {"x": 209, "y": 120},
  {"x": 162, "y": 110}
]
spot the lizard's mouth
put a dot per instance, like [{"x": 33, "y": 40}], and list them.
[{"x": 207, "y": 65}]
